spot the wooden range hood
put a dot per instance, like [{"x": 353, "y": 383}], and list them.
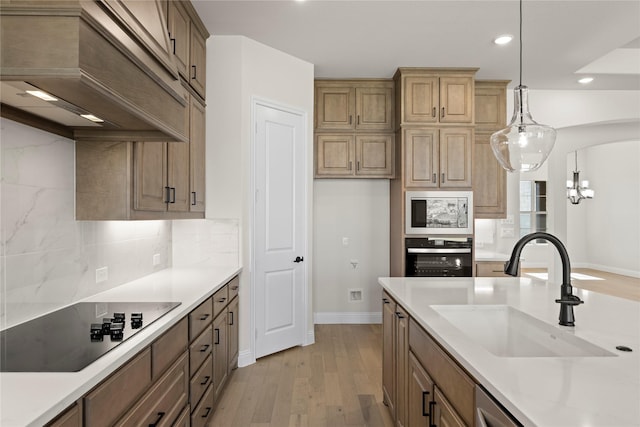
[{"x": 109, "y": 58}]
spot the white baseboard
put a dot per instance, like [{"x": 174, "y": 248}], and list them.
[
  {"x": 246, "y": 358},
  {"x": 621, "y": 271},
  {"x": 347, "y": 318}
]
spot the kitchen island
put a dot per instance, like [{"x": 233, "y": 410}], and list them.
[
  {"x": 602, "y": 389},
  {"x": 33, "y": 399}
]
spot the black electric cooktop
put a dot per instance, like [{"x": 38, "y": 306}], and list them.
[{"x": 71, "y": 338}]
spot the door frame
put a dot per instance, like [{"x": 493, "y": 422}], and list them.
[{"x": 308, "y": 334}]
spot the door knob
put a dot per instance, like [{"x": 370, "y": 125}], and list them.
[{"x": 298, "y": 259}]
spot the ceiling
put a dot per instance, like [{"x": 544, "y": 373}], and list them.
[{"x": 562, "y": 40}]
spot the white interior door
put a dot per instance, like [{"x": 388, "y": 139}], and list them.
[{"x": 279, "y": 229}]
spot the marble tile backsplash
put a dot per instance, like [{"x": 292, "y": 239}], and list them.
[
  {"x": 47, "y": 259},
  {"x": 215, "y": 242}
]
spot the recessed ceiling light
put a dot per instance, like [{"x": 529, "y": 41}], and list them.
[
  {"x": 92, "y": 118},
  {"x": 42, "y": 95},
  {"x": 503, "y": 39},
  {"x": 585, "y": 80}
]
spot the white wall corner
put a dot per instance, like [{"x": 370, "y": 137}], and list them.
[{"x": 326, "y": 318}]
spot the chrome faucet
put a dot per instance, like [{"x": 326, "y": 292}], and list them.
[{"x": 567, "y": 299}]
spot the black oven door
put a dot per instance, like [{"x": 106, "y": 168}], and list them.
[{"x": 438, "y": 262}]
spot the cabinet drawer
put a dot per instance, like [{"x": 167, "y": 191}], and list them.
[
  {"x": 184, "y": 420},
  {"x": 491, "y": 269},
  {"x": 220, "y": 300},
  {"x": 162, "y": 405},
  {"x": 455, "y": 384},
  {"x": 168, "y": 347},
  {"x": 70, "y": 418},
  {"x": 234, "y": 287},
  {"x": 200, "y": 349},
  {"x": 201, "y": 380},
  {"x": 201, "y": 413},
  {"x": 112, "y": 397},
  {"x": 200, "y": 318}
]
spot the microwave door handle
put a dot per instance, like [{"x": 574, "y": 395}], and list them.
[{"x": 439, "y": 250}]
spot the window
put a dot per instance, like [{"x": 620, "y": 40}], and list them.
[{"x": 533, "y": 207}]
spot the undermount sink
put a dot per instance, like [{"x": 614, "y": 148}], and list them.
[{"x": 507, "y": 332}]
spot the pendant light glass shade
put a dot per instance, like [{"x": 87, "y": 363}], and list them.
[{"x": 523, "y": 145}]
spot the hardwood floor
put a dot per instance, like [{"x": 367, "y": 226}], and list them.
[
  {"x": 335, "y": 382},
  {"x": 612, "y": 284}
]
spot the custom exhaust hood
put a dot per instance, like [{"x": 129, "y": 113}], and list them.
[{"x": 105, "y": 67}]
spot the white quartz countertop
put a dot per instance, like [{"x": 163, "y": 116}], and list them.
[
  {"x": 32, "y": 399},
  {"x": 540, "y": 391},
  {"x": 482, "y": 255}
]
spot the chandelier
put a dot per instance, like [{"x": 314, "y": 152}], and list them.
[{"x": 577, "y": 190}]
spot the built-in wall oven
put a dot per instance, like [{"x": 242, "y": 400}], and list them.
[{"x": 438, "y": 257}]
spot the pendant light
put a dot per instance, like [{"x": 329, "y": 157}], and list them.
[
  {"x": 577, "y": 190},
  {"x": 523, "y": 145}
]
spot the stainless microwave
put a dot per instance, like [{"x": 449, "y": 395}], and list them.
[{"x": 439, "y": 212}]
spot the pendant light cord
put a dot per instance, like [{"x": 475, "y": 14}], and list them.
[{"x": 520, "y": 42}]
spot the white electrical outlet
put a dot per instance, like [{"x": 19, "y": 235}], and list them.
[
  {"x": 102, "y": 274},
  {"x": 345, "y": 241},
  {"x": 355, "y": 295},
  {"x": 156, "y": 259}
]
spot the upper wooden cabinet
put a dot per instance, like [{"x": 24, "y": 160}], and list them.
[
  {"x": 360, "y": 105},
  {"x": 354, "y": 156},
  {"x": 437, "y": 158},
  {"x": 143, "y": 180},
  {"x": 188, "y": 37},
  {"x": 428, "y": 96},
  {"x": 489, "y": 178}
]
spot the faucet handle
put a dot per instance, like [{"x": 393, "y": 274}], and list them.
[{"x": 570, "y": 300}]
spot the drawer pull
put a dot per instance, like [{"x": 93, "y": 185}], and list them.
[
  {"x": 204, "y": 348},
  {"x": 193, "y": 77},
  {"x": 424, "y": 408},
  {"x": 206, "y": 414},
  {"x": 386, "y": 301},
  {"x": 206, "y": 380},
  {"x": 160, "y": 415},
  {"x": 217, "y": 336},
  {"x": 231, "y": 318},
  {"x": 221, "y": 300},
  {"x": 399, "y": 315},
  {"x": 234, "y": 288},
  {"x": 204, "y": 317}
]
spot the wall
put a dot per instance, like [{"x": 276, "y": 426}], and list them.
[
  {"x": 239, "y": 70},
  {"x": 582, "y": 119},
  {"x": 358, "y": 210},
  {"x": 47, "y": 259}
]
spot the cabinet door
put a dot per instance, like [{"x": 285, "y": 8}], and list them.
[
  {"x": 150, "y": 171},
  {"x": 420, "y": 100},
  {"x": 178, "y": 177},
  {"x": 490, "y": 105},
  {"x": 402, "y": 361},
  {"x": 220, "y": 347},
  {"x": 455, "y": 158},
  {"x": 234, "y": 316},
  {"x": 456, "y": 99},
  {"x": 388, "y": 356},
  {"x": 70, "y": 418},
  {"x": 421, "y": 158},
  {"x": 198, "y": 57},
  {"x": 335, "y": 107},
  {"x": 489, "y": 181},
  {"x": 374, "y": 108},
  {"x": 444, "y": 414},
  {"x": 197, "y": 147},
  {"x": 374, "y": 155},
  {"x": 334, "y": 155},
  {"x": 420, "y": 396},
  {"x": 178, "y": 26}
]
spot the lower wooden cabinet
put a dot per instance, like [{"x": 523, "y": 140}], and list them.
[
  {"x": 423, "y": 386},
  {"x": 176, "y": 380}
]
